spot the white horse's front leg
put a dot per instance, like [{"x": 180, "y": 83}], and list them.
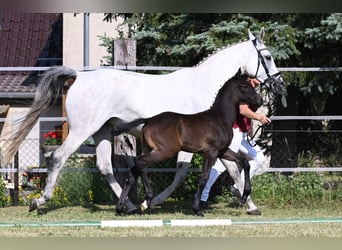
[
  {"x": 183, "y": 163},
  {"x": 55, "y": 163},
  {"x": 234, "y": 172}
]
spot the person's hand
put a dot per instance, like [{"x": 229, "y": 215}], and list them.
[
  {"x": 254, "y": 82},
  {"x": 264, "y": 119}
]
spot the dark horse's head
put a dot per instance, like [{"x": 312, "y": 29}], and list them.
[{"x": 244, "y": 92}]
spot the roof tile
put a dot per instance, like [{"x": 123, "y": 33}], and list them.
[{"x": 24, "y": 38}]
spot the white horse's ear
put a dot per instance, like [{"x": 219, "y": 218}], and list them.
[
  {"x": 262, "y": 33},
  {"x": 251, "y": 36}
]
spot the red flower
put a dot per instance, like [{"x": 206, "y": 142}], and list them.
[
  {"x": 53, "y": 135},
  {"x": 52, "y": 138}
]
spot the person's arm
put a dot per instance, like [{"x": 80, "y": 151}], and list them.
[{"x": 247, "y": 112}]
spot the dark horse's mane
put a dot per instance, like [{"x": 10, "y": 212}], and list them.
[{"x": 237, "y": 78}]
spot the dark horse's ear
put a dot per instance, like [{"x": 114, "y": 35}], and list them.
[{"x": 238, "y": 73}]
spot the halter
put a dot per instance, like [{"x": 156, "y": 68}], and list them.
[{"x": 270, "y": 78}]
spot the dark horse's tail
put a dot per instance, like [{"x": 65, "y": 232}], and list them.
[{"x": 125, "y": 127}]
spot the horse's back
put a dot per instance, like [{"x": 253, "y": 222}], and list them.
[
  {"x": 145, "y": 94},
  {"x": 191, "y": 133}
]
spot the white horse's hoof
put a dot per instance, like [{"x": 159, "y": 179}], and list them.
[
  {"x": 33, "y": 205},
  {"x": 143, "y": 206}
]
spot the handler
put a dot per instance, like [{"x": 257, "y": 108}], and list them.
[{"x": 241, "y": 129}]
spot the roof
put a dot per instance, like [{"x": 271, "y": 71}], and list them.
[{"x": 28, "y": 40}]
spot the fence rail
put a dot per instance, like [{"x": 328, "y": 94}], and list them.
[{"x": 336, "y": 168}]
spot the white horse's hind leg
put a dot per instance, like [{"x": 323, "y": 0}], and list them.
[
  {"x": 55, "y": 163},
  {"x": 234, "y": 172},
  {"x": 183, "y": 163},
  {"x": 104, "y": 162}
]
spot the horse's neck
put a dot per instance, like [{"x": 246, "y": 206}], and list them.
[
  {"x": 225, "y": 63},
  {"x": 225, "y": 105}
]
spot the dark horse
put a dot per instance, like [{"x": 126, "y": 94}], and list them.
[{"x": 208, "y": 132}]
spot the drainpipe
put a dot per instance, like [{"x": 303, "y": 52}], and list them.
[{"x": 86, "y": 41}]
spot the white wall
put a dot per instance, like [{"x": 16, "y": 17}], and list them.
[
  {"x": 29, "y": 150},
  {"x": 73, "y": 27}
]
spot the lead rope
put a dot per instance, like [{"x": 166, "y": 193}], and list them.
[
  {"x": 250, "y": 139},
  {"x": 270, "y": 105}
]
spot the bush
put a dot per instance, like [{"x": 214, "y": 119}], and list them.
[
  {"x": 5, "y": 200},
  {"x": 80, "y": 188},
  {"x": 299, "y": 190}
]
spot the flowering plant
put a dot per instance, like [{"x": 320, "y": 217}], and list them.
[{"x": 52, "y": 138}]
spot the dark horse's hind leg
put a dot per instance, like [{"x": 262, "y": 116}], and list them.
[
  {"x": 136, "y": 171},
  {"x": 148, "y": 190},
  {"x": 132, "y": 176},
  {"x": 142, "y": 162}
]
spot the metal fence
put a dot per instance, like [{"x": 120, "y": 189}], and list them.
[{"x": 280, "y": 157}]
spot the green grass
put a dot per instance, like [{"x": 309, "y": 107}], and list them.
[{"x": 171, "y": 210}]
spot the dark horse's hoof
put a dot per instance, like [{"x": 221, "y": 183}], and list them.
[
  {"x": 198, "y": 212},
  {"x": 120, "y": 210},
  {"x": 33, "y": 205}
]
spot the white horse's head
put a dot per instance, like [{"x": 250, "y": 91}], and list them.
[{"x": 264, "y": 68}]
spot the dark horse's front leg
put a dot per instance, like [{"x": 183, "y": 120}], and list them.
[
  {"x": 209, "y": 159},
  {"x": 242, "y": 161}
]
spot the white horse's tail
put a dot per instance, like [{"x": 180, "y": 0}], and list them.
[{"x": 48, "y": 90}]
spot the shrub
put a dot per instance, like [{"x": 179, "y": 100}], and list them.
[
  {"x": 299, "y": 190},
  {"x": 78, "y": 187},
  {"x": 5, "y": 199}
]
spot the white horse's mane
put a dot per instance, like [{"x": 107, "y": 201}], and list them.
[{"x": 212, "y": 53}]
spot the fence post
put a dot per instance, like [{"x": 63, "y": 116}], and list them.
[
  {"x": 124, "y": 54},
  {"x": 15, "y": 191}
]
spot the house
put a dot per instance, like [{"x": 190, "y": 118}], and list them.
[{"x": 41, "y": 40}]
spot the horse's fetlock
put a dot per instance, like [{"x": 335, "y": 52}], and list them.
[{"x": 120, "y": 209}]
